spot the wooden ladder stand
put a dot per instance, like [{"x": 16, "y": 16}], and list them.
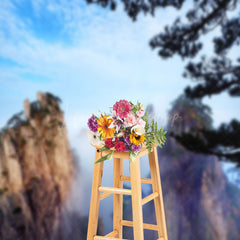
[{"x": 100, "y": 192}]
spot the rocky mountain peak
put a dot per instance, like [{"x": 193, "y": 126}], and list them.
[{"x": 36, "y": 170}]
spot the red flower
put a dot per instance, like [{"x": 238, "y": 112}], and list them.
[
  {"x": 109, "y": 143},
  {"x": 120, "y": 147}
]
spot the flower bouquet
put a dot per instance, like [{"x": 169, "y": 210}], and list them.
[{"x": 126, "y": 130}]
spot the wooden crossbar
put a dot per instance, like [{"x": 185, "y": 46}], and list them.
[
  {"x": 115, "y": 190},
  {"x": 149, "y": 198},
  {"x": 104, "y": 195},
  {"x": 107, "y": 238},
  {"x": 143, "y": 180},
  {"x": 112, "y": 234},
  {"x": 100, "y": 192},
  {"x": 145, "y": 225}
]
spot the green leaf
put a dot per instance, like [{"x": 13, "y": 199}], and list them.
[
  {"x": 104, "y": 148},
  {"x": 106, "y": 157},
  {"x": 132, "y": 156},
  {"x": 145, "y": 117},
  {"x": 155, "y": 127},
  {"x": 109, "y": 156}
]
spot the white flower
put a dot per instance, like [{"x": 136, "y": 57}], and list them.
[
  {"x": 138, "y": 129},
  {"x": 114, "y": 114},
  {"x": 94, "y": 138}
]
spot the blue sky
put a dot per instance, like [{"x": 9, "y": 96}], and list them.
[{"x": 89, "y": 57}]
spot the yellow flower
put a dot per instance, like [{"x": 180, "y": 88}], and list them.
[
  {"x": 137, "y": 139},
  {"x": 104, "y": 122}
]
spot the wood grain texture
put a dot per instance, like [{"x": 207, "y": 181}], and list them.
[
  {"x": 114, "y": 233},
  {"x": 95, "y": 198},
  {"x": 107, "y": 238},
  {"x": 113, "y": 190},
  {"x": 136, "y": 199},
  {"x": 150, "y": 197},
  {"x": 145, "y": 225},
  {"x": 117, "y": 198},
  {"x": 136, "y": 192},
  {"x": 143, "y": 180},
  {"x": 158, "y": 201}
]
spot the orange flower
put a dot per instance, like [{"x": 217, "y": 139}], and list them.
[{"x": 104, "y": 122}]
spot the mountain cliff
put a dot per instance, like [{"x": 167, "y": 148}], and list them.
[
  {"x": 200, "y": 203},
  {"x": 36, "y": 170}
]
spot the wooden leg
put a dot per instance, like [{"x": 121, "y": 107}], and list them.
[
  {"x": 158, "y": 202},
  {"x": 136, "y": 199},
  {"x": 117, "y": 198},
  {"x": 95, "y": 198}
]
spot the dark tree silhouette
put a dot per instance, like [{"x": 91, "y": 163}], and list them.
[{"x": 212, "y": 75}]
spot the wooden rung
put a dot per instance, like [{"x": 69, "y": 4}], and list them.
[
  {"x": 145, "y": 225},
  {"x": 104, "y": 195},
  {"x": 143, "y": 180},
  {"x": 149, "y": 198},
  {"x": 112, "y": 234},
  {"x": 115, "y": 190},
  {"x": 107, "y": 238}
]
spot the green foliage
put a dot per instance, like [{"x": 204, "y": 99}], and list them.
[
  {"x": 104, "y": 148},
  {"x": 106, "y": 157},
  {"x": 53, "y": 100},
  {"x": 153, "y": 134},
  {"x": 132, "y": 155},
  {"x": 49, "y": 143},
  {"x": 51, "y": 97},
  {"x": 13, "y": 141},
  {"x": 3, "y": 190},
  {"x": 5, "y": 173},
  {"x": 135, "y": 107},
  {"x": 35, "y": 108},
  {"x": 16, "y": 120},
  {"x": 145, "y": 117},
  {"x": 35, "y": 178},
  {"x": 23, "y": 141},
  {"x": 17, "y": 210}
]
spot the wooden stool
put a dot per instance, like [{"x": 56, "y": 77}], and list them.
[{"x": 100, "y": 192}]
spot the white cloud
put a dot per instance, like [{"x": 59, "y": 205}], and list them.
[{"x": 107, "y": 58}]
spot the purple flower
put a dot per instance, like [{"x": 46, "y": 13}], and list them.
[
  {"x": 126, "y": 148},
  {"x": 127, "y": 140},
  {"x": 92, "y": 123},
  {"x": 136, "y": 148}
]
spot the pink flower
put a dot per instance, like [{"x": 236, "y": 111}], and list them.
[
  {"x": 130, "y": 120},
  {"x": 122, "y": 108},
  {"x": 140, "y": 113},
  {"x": 141, "y": 122}
]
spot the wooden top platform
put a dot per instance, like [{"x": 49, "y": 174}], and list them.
[{"x": 124, "y": 155}]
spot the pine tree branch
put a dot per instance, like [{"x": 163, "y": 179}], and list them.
[
  {"x": 223, "y": 142},
  {"x": 216, "y": 76}
]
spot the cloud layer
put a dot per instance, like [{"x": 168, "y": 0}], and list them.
[{"x": 87, "y": 55}]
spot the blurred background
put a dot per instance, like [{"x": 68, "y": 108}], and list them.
[{"x": 70, "y": 59}]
